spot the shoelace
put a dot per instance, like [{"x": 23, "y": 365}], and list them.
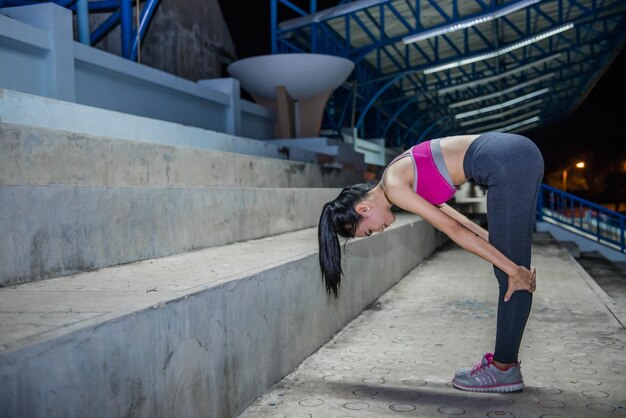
[{"x": 477, "y": 368}]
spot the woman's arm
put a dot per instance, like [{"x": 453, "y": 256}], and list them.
[
  {"x": 405, "y": 198},
  {"x": 465, "y": 221},
  {"x": 468, "y": 223}
]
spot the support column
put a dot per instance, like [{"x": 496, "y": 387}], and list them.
[
  {"x": 310, "y": 114},
  {"x": 286, "y": 119},
  {"x": 231, "y": 87},
  {"x": 59, "y": 63}
]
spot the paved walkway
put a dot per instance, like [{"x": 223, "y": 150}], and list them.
[{"x": 397, "y": 358}]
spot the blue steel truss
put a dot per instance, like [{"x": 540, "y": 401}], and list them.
[
  {"x": 389, "y": 95},
  {"x": 121, "y": 13}
]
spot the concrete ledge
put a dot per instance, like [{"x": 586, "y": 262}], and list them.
[
  {"x": 618, "y": 310},
  {"x": 343, "y": 153},
  {"x": 51, "y": 231},
  {"x": 111, "y": 82},
  {"x": 198, "y": 334},
  {"x": 37, "y": 111},
  {"x": 40, "y": 156},
  {"x": 562, "y": 232},
  {"x": 13, "y": 31}
]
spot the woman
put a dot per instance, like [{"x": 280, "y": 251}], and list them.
[{"x": 420, "y": 181}]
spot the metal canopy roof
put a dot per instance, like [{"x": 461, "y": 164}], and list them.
[{"x": 480, "y": 66}]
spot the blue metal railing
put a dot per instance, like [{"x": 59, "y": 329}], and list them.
[
  {"x": 595, "y": 221},
  {"x": 132, "y": 32}
]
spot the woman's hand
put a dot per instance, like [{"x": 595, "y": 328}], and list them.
[{"x": 521, "y": 279}]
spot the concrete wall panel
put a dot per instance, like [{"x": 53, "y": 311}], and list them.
[
  {"x": 37, "y": 156},
  {"x": 60, "y": 230},
  {"x": 212, "y": 351}
]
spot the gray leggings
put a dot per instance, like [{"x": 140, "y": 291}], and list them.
[{"x": 511, "y": 168}]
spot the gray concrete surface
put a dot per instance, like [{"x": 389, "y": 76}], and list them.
[
  {"x": 72, "y": 202},
  {"x": 60, "y": 230},
  {"x": 41, "y": 156},
  {"x": 36, "y": 111},
  {"x": 585, "y": 242},
  {"x": 200, "y": 334},
  {"x": 398, "y": 357},
  {"x": 610, "y": 276}
]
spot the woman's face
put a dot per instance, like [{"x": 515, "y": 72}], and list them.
[{"x": 374, "y": 219}]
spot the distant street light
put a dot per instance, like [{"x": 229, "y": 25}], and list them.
[{"x": 580, "y": 164}]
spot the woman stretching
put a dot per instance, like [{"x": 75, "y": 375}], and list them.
[{"x": 420, "y": 181}]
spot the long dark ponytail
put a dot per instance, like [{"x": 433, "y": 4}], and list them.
[{"x": 338, "y": 217}]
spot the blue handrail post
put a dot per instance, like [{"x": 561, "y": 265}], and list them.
[
  {"x": 126, "y": 9},
  {"x": 82, "y": 17},
  {"x": 598, "y": 224},
  {"x": 622, "y": 238}
]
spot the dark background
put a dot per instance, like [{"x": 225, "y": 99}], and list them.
[{"x": 591, "y": 133}]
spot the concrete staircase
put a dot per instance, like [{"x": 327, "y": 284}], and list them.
[
  {"x": 160, "y": 280},
  {"x": 87, "y": 202}
]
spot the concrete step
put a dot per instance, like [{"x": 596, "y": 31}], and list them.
[
  {"x": 571, "y": 248},
  {"x": 585, "y": 242},
  {"x": 52, "y": 231},
  {"x": 75, "y": 202},
  {"x": 197, "y": 334},
  {"x": 342, "y": 152},
  {"x": 36, "y": 111},
  {"x": 44, "y": 156}
]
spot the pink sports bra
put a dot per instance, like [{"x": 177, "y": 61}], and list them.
[{"x": 431, "y": 178}]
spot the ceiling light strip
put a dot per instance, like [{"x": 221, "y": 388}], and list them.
[
  {"x": 522, "y": 123},
  {"x": 501, "y": 105},
  {"x": 516, "y": 109},
  {"x": 501, "y": 115},
  {"x": 506, "y": 128},
  {"x": 489, "y": 79},
  {"x": 501, "y": 92},
  {"x": 525, "y": 128},
  {"x": 467, "y": 23},
  {"x": 501, "y": 51}
]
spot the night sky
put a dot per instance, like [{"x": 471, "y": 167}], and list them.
[{"x": 593, "y": 132}]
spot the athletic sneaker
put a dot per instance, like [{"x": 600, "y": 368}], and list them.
[
  {"x": 486, "y": 377},
  {"x": 465, "y": 371}
]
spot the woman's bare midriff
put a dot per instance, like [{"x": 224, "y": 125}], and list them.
[{"x": 453, "y": 149}]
